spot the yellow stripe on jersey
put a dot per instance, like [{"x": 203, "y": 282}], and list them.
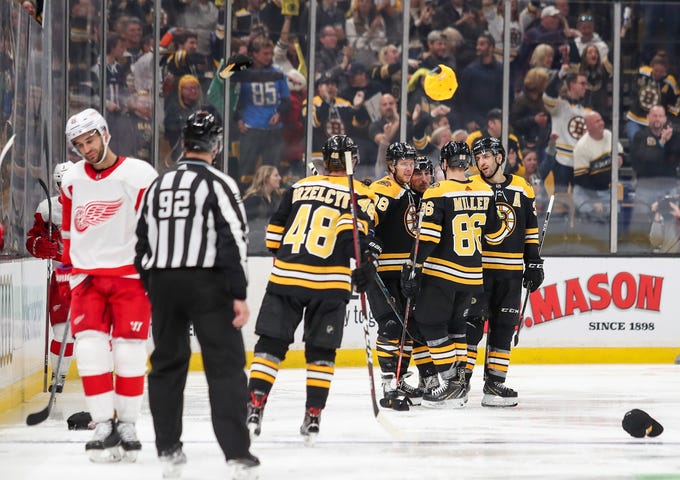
[
  {"x": 531, "y": 236},
  {"x": 274, "y": 236},
  {"x": 503, "y": 260},
  {"x": 430, "y": 232},
  {"x": 312, "y": 277},
  {"x": 453, "y": 272},
  {"x": 392, "y": 262},
  {"x": 346, "y": 223}
]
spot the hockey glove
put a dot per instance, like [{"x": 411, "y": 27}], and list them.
[
  {"x": 533, "y": 274},
  {"x": 62, "y": 275},
  {"x": 363, "y": 276},
  {"x": 410, "y": 280},
  {"x": 44, "y": 248},
  {"x": 236, "y": 63},
  {"x": 371, "y": 247}
]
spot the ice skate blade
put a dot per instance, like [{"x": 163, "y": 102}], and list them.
[
  {"x": 310, "y": 439},
  {"x": 106, "y": 455},
  {"x": 498, "y": 402},
  {"x": 242, "y": 472},
  {"x": 452, "y": 403},
  {"x": 129, "y": 456}
]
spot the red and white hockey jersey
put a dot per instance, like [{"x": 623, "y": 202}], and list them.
[{"x": 100, "y": 216}]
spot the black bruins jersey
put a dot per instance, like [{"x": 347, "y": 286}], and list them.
[
  {"x": 516, "y": 205},
  {"x": 396, "y": 224},
  {"x": 457, "y": 215},
  {"x": 311, "y": 233}
]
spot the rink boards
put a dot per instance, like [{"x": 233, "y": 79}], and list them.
[{"x": 589, "y": 310}]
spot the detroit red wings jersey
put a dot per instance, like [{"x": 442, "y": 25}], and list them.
[
  {"x": 516, "y": 205},
  {"x": 457, "y": 215},
  {"x": 100, "y": 216},
  {"x": 396, "y": 225},
  {"x": 311, "y": 233}
]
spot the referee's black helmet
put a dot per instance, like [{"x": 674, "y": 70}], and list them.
[{"x": 202, "y": 132}]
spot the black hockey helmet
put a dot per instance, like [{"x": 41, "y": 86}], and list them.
[
  {"x": 334, "y": 152},
  {"x": 202, "y": 132},
  {"x": 488, "y": 144},
  {"x": 398, "y": 150},
  {"x": 424, "y": 163},
  {"x": 456, "y": 154}
]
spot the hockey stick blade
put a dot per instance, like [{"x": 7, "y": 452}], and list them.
[{"x": 42, "y": 415}]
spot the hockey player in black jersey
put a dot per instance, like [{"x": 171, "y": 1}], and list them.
[
  {"x": 396, "y": 210},
  {"x": 311, "y": 235},
  {"x": 508, "y": 265},
  {"x": 421, "y": 179},
  {"x": 458, "y": 212}
]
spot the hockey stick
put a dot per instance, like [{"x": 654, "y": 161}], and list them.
[
  {"x": 392, "y": 303},
  {"x": 42, "y": 415},
  {"x": 49, "y": 278},
  {"x": 526, "y": 295},
  {"x": 421, "y": 214}
]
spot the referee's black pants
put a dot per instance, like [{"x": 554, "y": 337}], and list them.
[{"x": 199, "y": 296}]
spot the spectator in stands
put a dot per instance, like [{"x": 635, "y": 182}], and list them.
[
  {"x": 114, "y": 74},
  {"x": 385, "y": 129},
  {"x": 592, "y": 170},
  {"x": 334, "y": 115},
  {"x": 588, "y": 36},
  {"x": 598, "y": 72},
  {"x": 421, "y": 14},
  {"x": 655, "y": 157},
  {"x": 470, "y": 23},
  {"x": 293, "y": 128},
  {"x": 331, "y": 57},
  {"x": 178, "y": 107},
  {"x": 661, "y": 24},
  {"x": 664, "y": 234},
  {"x": 388, "y": 70},
  {"x": 365, "y": 30},
  {"x": 31, "y": 8},
  {"x": 529, "y": 117},
  {"x": 133, "y": 33},
  {"x": 286, "y": 48},
  {"x": 484, "y": 70},
  {"x": 134, "y": 129},
  {"x": 437, "y": 51},
  {"x": 549, "y": 30},
  {"x": 264, "y": 97},
  {"x": 200, "y": 17},
  {"x": 261, "y": 200},
  {"x": 567, "y": 115},
  {"x": 652, "y": 83}
]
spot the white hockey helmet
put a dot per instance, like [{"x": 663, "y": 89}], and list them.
[
  {"x": 89, "y": 120},
  {"x": 59, "y": 171}
]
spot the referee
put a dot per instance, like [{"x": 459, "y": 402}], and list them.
[{"x": 191, "y": 254}]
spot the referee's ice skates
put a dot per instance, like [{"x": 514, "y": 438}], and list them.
[
  {"x": 246, "y": 468},
  {"x": 310, "y": 425},
  {"x": 496, "y": 394},
  {"x": 105, "y": 444},
  {"x": 172, "y": 462}
]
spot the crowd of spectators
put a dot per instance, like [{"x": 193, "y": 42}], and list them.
[{"x": 560, "y": 70}]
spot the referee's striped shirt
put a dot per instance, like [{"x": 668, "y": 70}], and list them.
[{"x": 193, "y": 217}]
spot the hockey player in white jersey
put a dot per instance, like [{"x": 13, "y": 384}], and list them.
[
  {"x": 110, "y": 312},
  {"x": 44, "y": 241}
]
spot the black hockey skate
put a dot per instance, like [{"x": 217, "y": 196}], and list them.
[
  {"x": 496, "y": 394},
  {"x": 129, "y": 443},
  {"x": 452, "y": 392},
  {"x": 245, "y": 468},
  {"x": 255, "y": 411},
  {"x": 172, "y": 462},
  {"x": 104, "y": 446},
  {"x": 310, "y": 425},
  {"x": 392, "y": 398},
  {"x": 412, "y": 395}
]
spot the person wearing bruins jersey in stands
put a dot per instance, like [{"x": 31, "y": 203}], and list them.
[
  {"x": 515, "y": 258},
  {"x": 458, "y": 211},
  {"x": 396, "y": 209},
  {"x": 311, "y": 235}
]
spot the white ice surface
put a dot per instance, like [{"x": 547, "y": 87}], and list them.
[{"x": 567, "y": 425}]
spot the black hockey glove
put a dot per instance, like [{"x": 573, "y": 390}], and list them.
[
  {"x": 371, "y": 248},
  {"x": 363, "y": 276},
  {"x": 533, "y": 274},
  {"x": 410, "y": 280}
]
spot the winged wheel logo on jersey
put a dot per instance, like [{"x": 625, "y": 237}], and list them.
[{"x": 95, "y": 213}]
